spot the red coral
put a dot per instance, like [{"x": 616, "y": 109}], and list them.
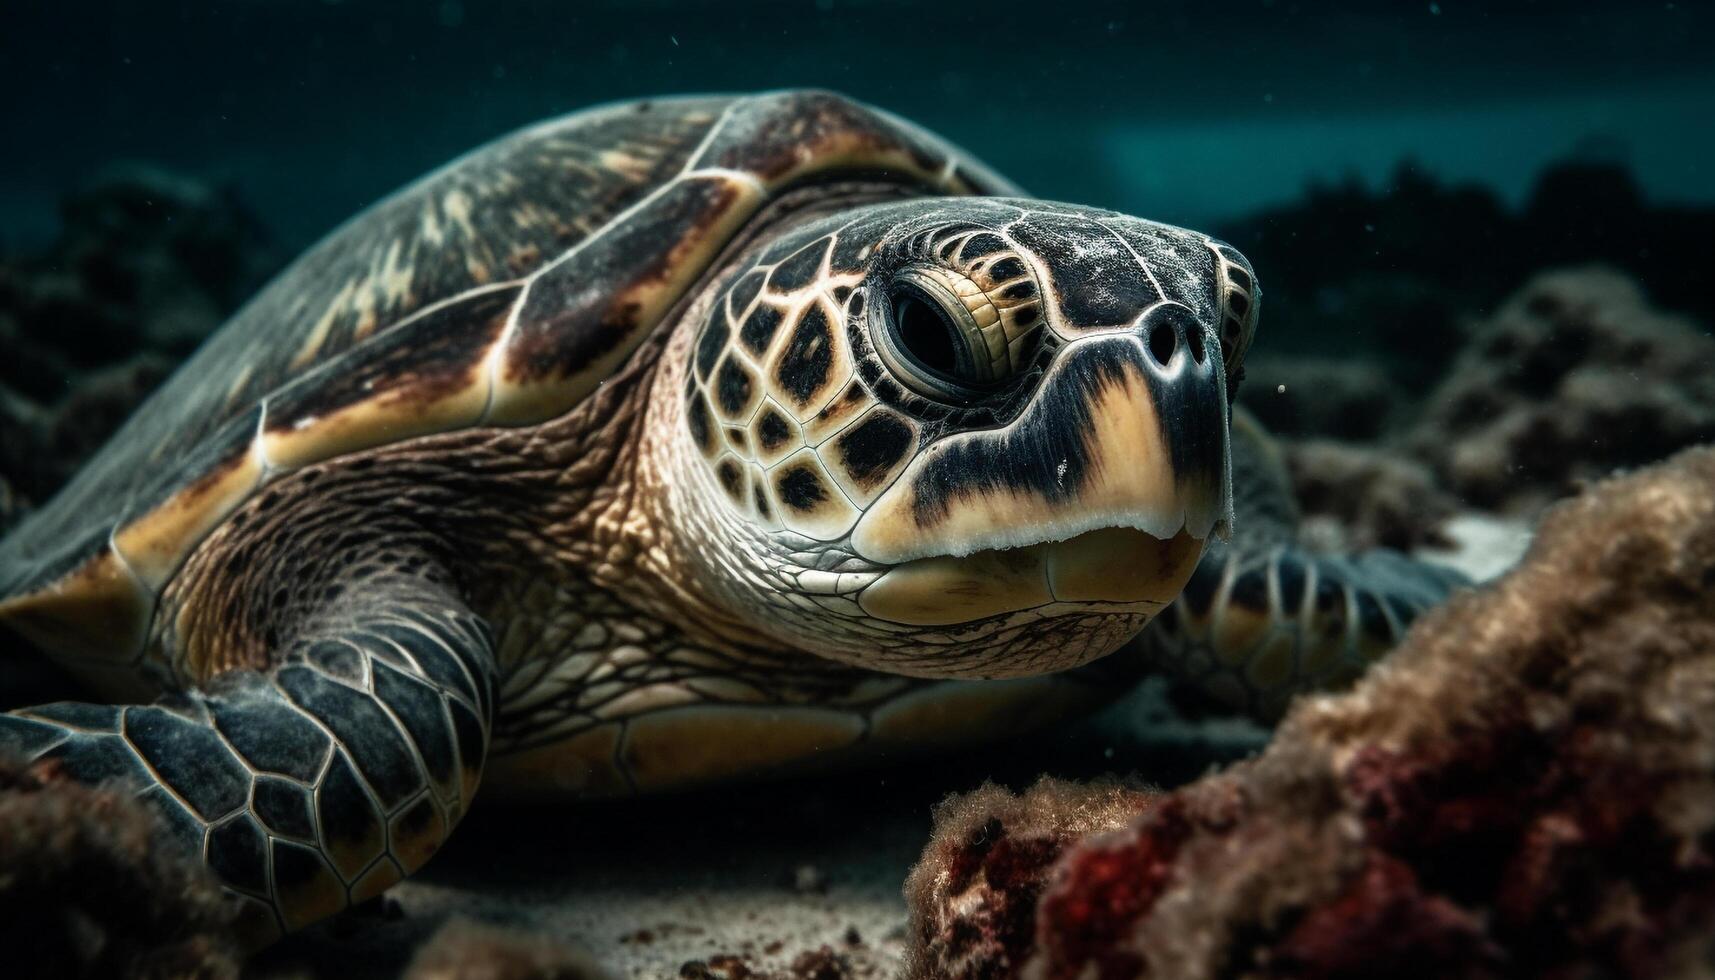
[{"x": 1103, "y": 889}]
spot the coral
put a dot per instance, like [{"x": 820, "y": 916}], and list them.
[
  {"x": 1526, "y": 788},
  {"x": 975, "y": 889},
  {"x": 466, "y": 950},
  {"x": 84, "y": 891},
  {"x": 1573, "y": 376}
]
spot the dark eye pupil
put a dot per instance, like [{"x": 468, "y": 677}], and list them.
[{"x": 926, "y": 335}]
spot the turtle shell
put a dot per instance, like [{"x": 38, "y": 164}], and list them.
[{"x": 497, "y": 291}]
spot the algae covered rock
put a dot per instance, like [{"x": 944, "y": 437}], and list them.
[{"x": 1575, "y": 375}]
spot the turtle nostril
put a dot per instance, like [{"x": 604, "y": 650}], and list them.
[
  {"x": 1163, "y": 341},
  {"x": 1194, "y": 340}
]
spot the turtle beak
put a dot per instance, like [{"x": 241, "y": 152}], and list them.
[{"x": 1104, "y": 490}]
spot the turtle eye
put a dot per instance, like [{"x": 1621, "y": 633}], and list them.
[
  {"x": 936, "y": 334},
  {"x": 933, "y": 340}
]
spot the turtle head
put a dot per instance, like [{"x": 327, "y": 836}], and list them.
[{"x": 960, "y": 437}]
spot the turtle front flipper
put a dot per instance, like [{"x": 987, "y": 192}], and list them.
[
  {"x": 1263, "y": 619},
  {"x": 1255, "y": 627},
  {"x": 316, "y": 782}
]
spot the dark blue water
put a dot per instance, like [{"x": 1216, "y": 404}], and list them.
[{"x": 1189, "y": 112}]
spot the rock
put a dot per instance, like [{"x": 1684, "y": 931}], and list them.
[
  {"x": 1353, "y": 498},
  {"x": 146, "y": 265},
  {"x": 23, "y": 454},
  {"x": 1575, "y": 376},
  {"x": 974, "y": 893},
  {"x": 1336, "y": 398},
  {"x": 1384, "y": 274},
  {"x": 1525, "y": 788},
  {"x": 171, "y": 254}
]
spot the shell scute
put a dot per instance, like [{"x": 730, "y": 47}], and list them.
[{"x": 428, "y": 375}]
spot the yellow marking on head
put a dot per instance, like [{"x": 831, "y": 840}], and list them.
[
  {"x": 687, "y": 746},
  {"x": 1129, "y": 480},
  {"x": 1118, "y": 565},
  {"x": 943, "y": 591},
  {"x": 834, "y": 416},
  {"x": 802, "y": 478}
]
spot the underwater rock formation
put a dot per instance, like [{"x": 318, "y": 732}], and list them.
[
  {"x": 1354, "y": 497},
  {"x": 147, "y": 264},
  {"x": 84, "y": 891},
  {"x": 978, "y": 886},
  {"x": 1332, "y": 397},
  {"x": 1525, "y": 788},
  {"x": 1574, "y": 376},
  {"x": 1383, "y": 274}
]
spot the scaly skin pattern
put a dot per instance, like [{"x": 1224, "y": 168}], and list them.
[
  {"x": 324, "y": 778},
  {"x": 790, "y": 455}
]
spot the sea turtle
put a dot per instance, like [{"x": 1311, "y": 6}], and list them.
[{"x": 665, "y": 442}]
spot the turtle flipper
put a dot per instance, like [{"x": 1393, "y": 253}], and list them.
[
  {"x": 315, "y": 783},
  {"x": 1256, "y": 626}
]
